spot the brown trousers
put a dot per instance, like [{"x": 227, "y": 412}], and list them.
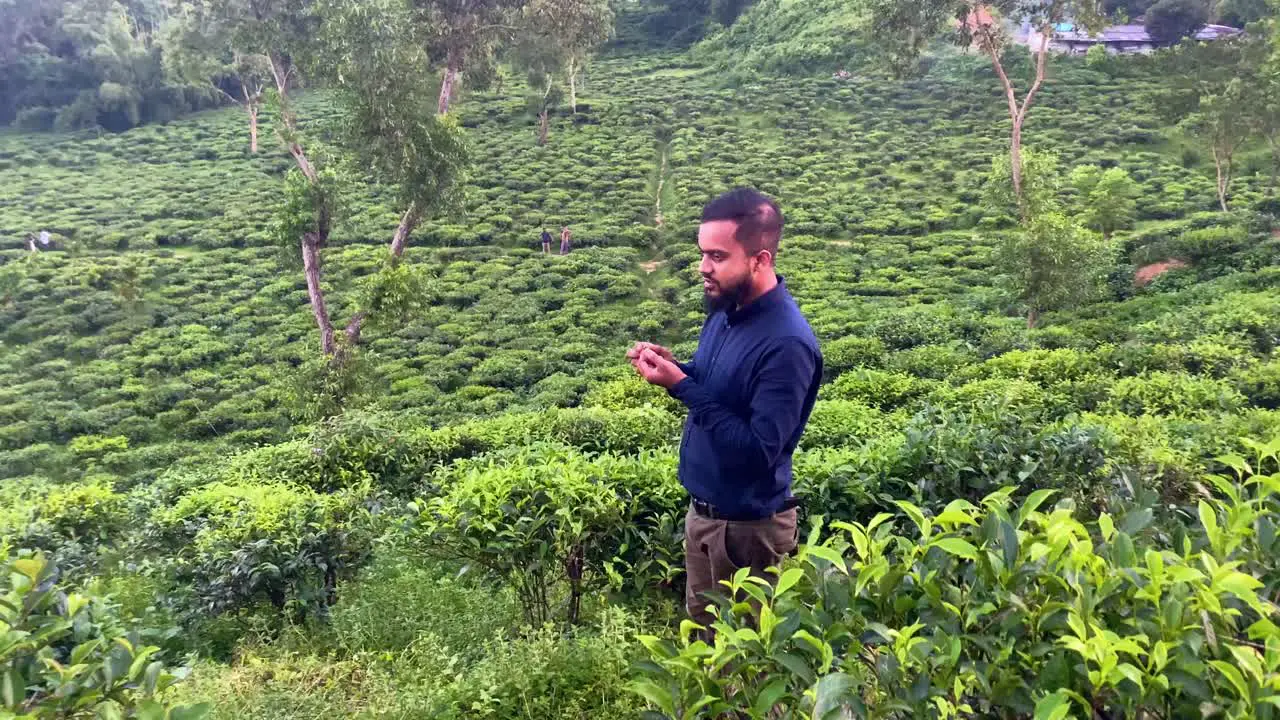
[{"x": 716, "y": 549}]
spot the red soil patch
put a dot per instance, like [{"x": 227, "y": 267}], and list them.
[{"x": 1147, "y": 273}]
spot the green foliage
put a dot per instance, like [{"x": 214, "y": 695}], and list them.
[
  {"x": 1107, "y": 196},
  {"x": 306, "y": 207},
  {"x": 1054, "y": 264},
  {"x": 973, "y": 599},
  {"x": 1239, "y": 13},
  {"x": 396, "y": 601},
  {"x": 1169, "y": 21},
  {"x": 775, "y": 36},
  {"x": 238, "y": 546},
  {"x": 851, "y": 352},
  {"x": 63, "y": 654},
  {"x": 157, "y": 332},
  {"x": 1260, "y": 384},
  {"x": 1163, "y": 393},
  {"x": 548, "y": 674},
  {"x": 389, "y": 114},
  {"x": 838, "y": 423},
  {"x": 91, "y": 511},
  {"x": 541, "y": 518},
  {"x": 88, "y": 64},
  {"x": 878, "y": 388}
]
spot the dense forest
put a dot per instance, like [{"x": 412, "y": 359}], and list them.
[{"x": 298, "y": 420}]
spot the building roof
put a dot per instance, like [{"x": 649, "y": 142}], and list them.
[{"x": 1133, "y": 34}]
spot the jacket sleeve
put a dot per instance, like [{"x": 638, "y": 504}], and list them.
[{"x": 778, "y": 395}]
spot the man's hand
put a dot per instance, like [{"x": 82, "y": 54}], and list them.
[
  {"x": 657, "y": 369},
  {"x": 634, "y": 353}
]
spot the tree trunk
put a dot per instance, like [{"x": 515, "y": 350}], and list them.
[
  {"x": 253, "y": 128},
  {"x": 1222, "y": 164},
  {"x": 281, "y": 70},
  {"x": 446, "y": 87},
  {"x": 662, "y": 175},
  {"x": 1275, "y": 165},
  {"x": 408, "y": 222},
  {"x": 311, "y": 267},
  {"x": 573, "y": 568},
  {"x": 1018, "y": 111},
  {"x": 573, "y": 86}
]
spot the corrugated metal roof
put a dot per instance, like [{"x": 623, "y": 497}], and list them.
[{"x": 1138, "y": 34}]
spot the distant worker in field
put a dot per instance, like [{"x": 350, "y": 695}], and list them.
[
  {"x": 546, "y": 242},
  {"x": 565, "y": 236},
  {"x": 749, "y": 388}
]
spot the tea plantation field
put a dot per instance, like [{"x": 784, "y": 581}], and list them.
[{"x": 408, "y": 557}]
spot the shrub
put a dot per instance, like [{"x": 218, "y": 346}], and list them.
[
  {"x": 863, "y": 614},
  {"x": 877, "y": 388},
  {"x": 1163, "y": 393},
  {"x": 840, "y": 423},
  {"x": 396, "y": 600},
  {"x": 629, "y": 392},
  {"x": 92, "y": 511},
  {"x": 1260, "y": 384},
  {"x": 544, "y": 517},
  {"x": 547, "y": 674},
  {"x": 235, "y": 546},
  {"x": 935, "y": 362},
  {"x": 35, "y": 119},
  {"x": 1025, "y": 399},
  {"x": 1044, "y": 367},
  {"x": 848, "y": 353},
  {"x": 67, "y": 654}
]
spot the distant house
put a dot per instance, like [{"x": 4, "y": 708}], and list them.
[{"x": 1117, "y": 39}]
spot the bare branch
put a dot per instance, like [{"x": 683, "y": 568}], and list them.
[{"x": 1042, "y": 55}]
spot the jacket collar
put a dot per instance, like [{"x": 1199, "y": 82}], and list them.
[{"x": 760, "y": 305}]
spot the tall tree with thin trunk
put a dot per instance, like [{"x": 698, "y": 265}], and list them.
[
  {"x": 1221, "y": 124},
  {"x": 571, "y": 30},
  {"x": 1217, "y": 96},
  {"x": 200, "y": 48},
  {"x": 464, "y": 35},
  {"x": 372, "y": 53},
  {"x": 903, "y": 28}
]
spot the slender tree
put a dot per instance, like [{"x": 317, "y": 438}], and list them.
[
  {"x": 371, "y": 53},
  {"x": 903, "y": 28},
  {"x": 570, "y": 30},
  {"x": 464, "y": 34},
  {"x": 200, "y": 48}
]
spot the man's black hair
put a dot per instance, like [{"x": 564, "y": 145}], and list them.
[{"x": 757, "y": 215}]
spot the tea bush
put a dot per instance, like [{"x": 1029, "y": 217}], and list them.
[
  {"x": 545, "y": 520},
  {"x": 65, "y": 653},
  {"x": 234, "y": 547},
  {"x": 1000, "y": 608}
]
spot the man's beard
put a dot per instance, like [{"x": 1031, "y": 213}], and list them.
[{"x": 728, "y": 299}]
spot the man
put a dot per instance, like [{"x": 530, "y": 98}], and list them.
[
  {"x": 564, "y": 240},
  {"x": 749, "y": 388},
  {"x": 546, "y": 242}
]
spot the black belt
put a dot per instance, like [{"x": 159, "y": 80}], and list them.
[{"x": 710, "y": 512}]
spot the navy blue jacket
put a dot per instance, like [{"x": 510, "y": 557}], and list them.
[{"x": 750, "y": 388}]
